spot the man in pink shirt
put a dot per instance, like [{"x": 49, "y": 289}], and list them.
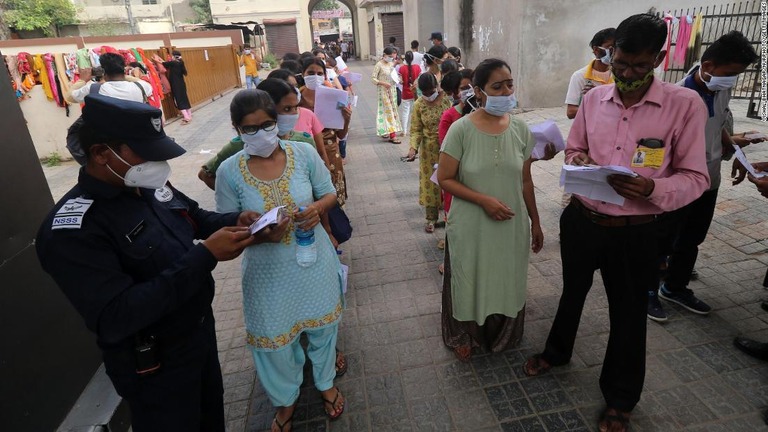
[{"x": 657, "y": 130}]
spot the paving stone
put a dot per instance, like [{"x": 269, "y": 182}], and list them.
[{"x": 545, "y": 393}]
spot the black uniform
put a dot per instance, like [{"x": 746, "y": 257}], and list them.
[{"x": 129, "y": 266}]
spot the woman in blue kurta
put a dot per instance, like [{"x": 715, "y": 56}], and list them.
[{"x": 282, "y": 300}]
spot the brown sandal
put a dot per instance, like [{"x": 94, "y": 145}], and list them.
[
  {"x": 429, "y": 228},
  {"x": 536, "y": 366},
  {"x": 463, "y": 353},
  {"x": 611, "y": 418},
  {"x": 332, "y": 403}
]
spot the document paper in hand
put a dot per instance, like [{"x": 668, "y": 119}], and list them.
[
  {"x": 546, "y": 132},
  {"x": 743, "y": 159},
  {"x": 271, "y": 217},
  {"x": 327, "y": 109},
  {"x": 591, "y": 181}
]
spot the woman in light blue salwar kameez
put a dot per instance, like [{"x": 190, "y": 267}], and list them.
[{"x": 282, "y": 300}]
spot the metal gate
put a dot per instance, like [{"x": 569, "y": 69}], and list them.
[
  {"x": 716, "y": 21},
  {"x": 282, "y": 38},
  {"x": 392, "y": 25}
]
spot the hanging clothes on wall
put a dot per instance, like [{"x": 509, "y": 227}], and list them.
[
  {"x": 157, "y": 89},
  {"x": 23, "y": 62},
  {"x": 73, "y": 72},
  {"x": 49, "y": 68},
  {"x": 42, "y": 76},
  {"x": 94, "y": 53}
]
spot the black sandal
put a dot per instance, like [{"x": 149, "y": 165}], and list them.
[
  {"x": 333, "y": 405},
  {"x": 286, "y": 422}
]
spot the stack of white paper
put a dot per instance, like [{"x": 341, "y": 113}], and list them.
[
  {"x": 328, "y": 105},
  {"x": 341, "y": 65},
  {"x": 272, "y": 217},
  {"x": 591, "y": 181},
  {"x": 352, "y": 77},
  {"x": 545, "y": 133}
]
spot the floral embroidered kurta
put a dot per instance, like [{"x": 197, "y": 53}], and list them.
[
  {"x": 424, "y": 124},
  {"x": 387, "y": 116},
  {"x": 280, "y": 298}
]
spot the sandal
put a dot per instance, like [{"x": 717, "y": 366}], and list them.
[
  {"x": 333, "y": 405},
  {"x": 441, "y": 268},
  {"x": 440, "y": 224},
  {"x": 441, "y": 244},
  {"x": 395, "y": 141},
  {"x": 611, "y": 418},
  {"x": 341, "y": 363},
  {"x": 281, "y": 425},
  {"x": 463, "y": 353},
  {"x": 429, "y": 228},
  {"x": 536, "y": 366}
]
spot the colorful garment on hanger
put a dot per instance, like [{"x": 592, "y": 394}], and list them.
[
  {"x": 83, "y": 58},
  {"x": 694, "y": 42},
  {"x": 12, "y": 64},
  {"x": 24, "y": 66},
  {"x": 42, "y": 76},
  {"x": 157, "y": 89},
  {"x": 70, "y": 62},
  {"x": 681, "y": 44}
]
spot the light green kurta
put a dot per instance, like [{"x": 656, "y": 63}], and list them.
[{"x": 489, "y": 259}]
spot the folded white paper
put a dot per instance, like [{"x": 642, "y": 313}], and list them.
[
  {"x": 743, "y": 159},
  {"x": 353, "y": 77},
  {"x": 341, "y": 65},
  {"x": 753, "y": 136},
  {"x": 344, "y": 278},
  {"x": 546, "y": 132},
  {"x": 328, "y": 103},
  {"x": 272, "y": 217}
]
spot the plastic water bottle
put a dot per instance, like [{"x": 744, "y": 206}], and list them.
[{"x": 306, "y": 250}]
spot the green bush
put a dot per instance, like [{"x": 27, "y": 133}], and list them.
[
  {"x": 272, "y": 60},
  {"x": 53, "y": 160}
]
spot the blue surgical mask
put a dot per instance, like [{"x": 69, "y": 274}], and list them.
[
  {"x": 499, "y": 105},
  {"x": 286, "y": 123}
]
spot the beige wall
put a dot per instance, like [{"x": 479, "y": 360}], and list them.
[
  {"x": 375, "y": 10},
  {"x": 48, "y": 123},
  {"x": 543, "y": 40}
]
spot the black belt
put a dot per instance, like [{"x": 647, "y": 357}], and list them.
[{"x": 613, "y": 221}]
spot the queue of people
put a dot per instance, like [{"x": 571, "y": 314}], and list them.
[{"x": 121, "y": 244}]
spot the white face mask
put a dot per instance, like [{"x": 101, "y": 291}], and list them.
[
  {"x": 499, "y": 105},
  {"x": 298, "y": 93},
  {"x": 717, "y": 83},
  {"x": 313, "y": 81},
  {"x": 260, "y": 144},
  {"x": 149, "y": 175},
  {"x": 432, "y": 97},
  {"x": 285, "y": 123},
  {"x": 247, "y": 52},
  {"x": 605, "y": 59},
  {"x": 466, "y": 94},
  {"x": 389, "y": 59}
]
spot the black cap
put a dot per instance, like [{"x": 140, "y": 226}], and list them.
[
  {"x": 436, "y": 35},
  {"x": 137, "y": 124}
]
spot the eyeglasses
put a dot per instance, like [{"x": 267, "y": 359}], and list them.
[
  {"x": 640, "y": 69},
  {"x": 267, "y": 126}
]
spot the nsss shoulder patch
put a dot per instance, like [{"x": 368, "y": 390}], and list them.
[{"x": 70, "y": 215}]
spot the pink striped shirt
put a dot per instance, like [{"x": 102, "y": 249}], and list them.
[{"x": 609, "y": 133}]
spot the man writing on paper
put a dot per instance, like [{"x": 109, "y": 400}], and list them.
[{"x": 638, "y": 113}]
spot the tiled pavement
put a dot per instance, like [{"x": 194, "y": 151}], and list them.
[{"x": 401, "y": 378}]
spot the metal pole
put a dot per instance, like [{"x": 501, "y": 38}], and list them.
[{"x": 130, "y": 16}]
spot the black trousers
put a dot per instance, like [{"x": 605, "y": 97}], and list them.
[
  {"x": 692, "y": 225},
  {"x": 185, "y": 395},
  {"x": 627, "y": 259}
]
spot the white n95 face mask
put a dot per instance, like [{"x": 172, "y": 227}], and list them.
[
  {"x": 432, "y": 97},
  {"x": 260, "y": 144},
  {"x": 150, "y": 174}
]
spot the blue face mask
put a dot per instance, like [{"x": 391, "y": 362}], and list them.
[
  {"x": 499, "y": 105},
  {"x": 286, "y": 123}
]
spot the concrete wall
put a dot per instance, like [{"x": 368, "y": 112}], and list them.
[
  {"x": 375, "y": 10},
  {"x": 420, "y": 18},
  {"x": 543, "y": 40}
]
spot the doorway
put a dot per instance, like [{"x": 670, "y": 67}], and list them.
[{"x": 333, "y": 24}]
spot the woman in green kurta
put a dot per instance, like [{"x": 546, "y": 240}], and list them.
[
  {"x": 425, "y": 117},
  {"x": 387, "y": 116},
  {"x": 493, "y": 220}
]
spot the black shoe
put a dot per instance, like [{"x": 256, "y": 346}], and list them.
[
  {"x": 764, "y": 305},
  {"x": 655, "y": 311},
  {"x": 686, "y": 300},
  {"x": 752, "y": 347},
  {"x": 694, "y": 275}
]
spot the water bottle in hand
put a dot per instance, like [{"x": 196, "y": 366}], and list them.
[{"x": 306, "y": 250}]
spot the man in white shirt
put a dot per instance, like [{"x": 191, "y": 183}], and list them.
[
  {"x": 115, "y": 84},
  {"x": 418, "y": 58},
  {"x": 597, "y": 72},
  {"x": 344, "y": 50}
]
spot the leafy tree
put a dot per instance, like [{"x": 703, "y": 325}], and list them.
[
  {"x": 45, "y": 15},
  {"x": 327, "y": 5},
  {"x": 202, "y": 10}
]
